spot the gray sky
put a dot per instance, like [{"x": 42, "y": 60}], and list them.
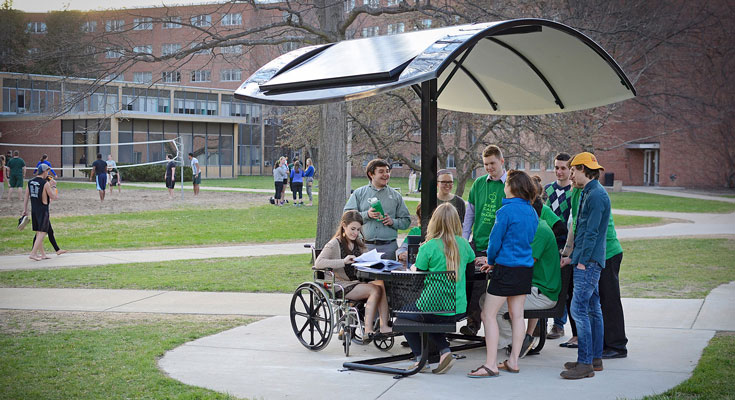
[{"x": 85, "y": 5}]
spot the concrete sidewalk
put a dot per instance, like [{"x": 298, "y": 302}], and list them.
[{"x": 264, "y": 360}]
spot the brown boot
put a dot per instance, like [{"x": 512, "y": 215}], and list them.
[
  {"x": 596, "y": 364},
  {"x": 555, "y": 332},
  {"x": 578, "y": 372}
]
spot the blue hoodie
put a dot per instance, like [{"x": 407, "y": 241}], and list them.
[{"x": 515, "y": 226}]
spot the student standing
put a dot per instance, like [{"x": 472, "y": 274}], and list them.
[
  {"x": 3, "y": 174},
  {"x": 99, "y": 174},
  {"x": 486, "y": 197},
  {"x": 588, "y": 260},
  {"x": 309, "y": 175},
  {"x": 297, "y": 183},
  {"x": 170, "y": 176},
  {"x": 380, "y": 230},
  {"x": 44, "y": 160},
  {"x": 39, "y": 192},
  {"x": 16, "y": 166},
  {"x": 444, "y": 185},
  {"x": 510, "y": 258},
  {"x": 196, "y": 173}
]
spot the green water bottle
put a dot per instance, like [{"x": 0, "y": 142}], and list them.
[{"x": 375, "y": 204}]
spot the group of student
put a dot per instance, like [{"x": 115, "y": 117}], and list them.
[
  {"x": 518, "y": 232},
  {"x": 298, "y": 176}
]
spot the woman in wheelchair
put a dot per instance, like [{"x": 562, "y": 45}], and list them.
[
  {"x": 444, "y": 250},
  {"x": 339, "y": 254}
]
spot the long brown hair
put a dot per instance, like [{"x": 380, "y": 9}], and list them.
[
  {"x": 445, "y": 225},
  {"x": 349, "y": 217}
]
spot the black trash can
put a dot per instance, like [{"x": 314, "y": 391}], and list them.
[{"x": 609, "y": 179}]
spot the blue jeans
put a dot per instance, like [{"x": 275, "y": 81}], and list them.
[
  {"x": 587, "y": 313},
  {"x": 439, "y": 339}
]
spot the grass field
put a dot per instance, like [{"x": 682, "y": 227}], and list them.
[
  {"x": 98, "y": 356},
  {"x": 656, "y": 268},
  {"x": 655, "y": 202}
]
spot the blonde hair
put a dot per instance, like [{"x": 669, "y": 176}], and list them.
[{"x": 445, "y": 225}]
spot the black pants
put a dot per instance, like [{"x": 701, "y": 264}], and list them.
[
  {"x": 296, "y": 187},
  {"x": 612, "y": 307},
  {"x": 279, "y": 189},
  {"x": 51, "y": 238}
]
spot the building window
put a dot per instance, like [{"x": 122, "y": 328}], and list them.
[
  {"x": 172, "y": 23},
  {"x": 171, "y": 76},
  {"x": 115, "y": 77},
  {"x": 391, "y": 3},
  {"x": 349, "y": 5},
  {"x": 535, "y": 162},
  {"x": 143, "y": 77},
  {"x": 143, "y": 24},
  {"x": 89, "y": 26},
  {"x": 170, "y": 48},
  {"x": 426, "y": 23},
  {"x": 396, "y": 28},
  {"x": 36, "y": 27},
  {"x": 114, "y": 25},
  {"x": 370, "y": 31},
  {"x": 147, "y": 49},
  {"x": 519, "y": 163},
  {"x": 230, "y": 75},
  {"x": 201, "y": 20},
  {"x": 201, "y": 76},
  {"x": 113, "y": 53},
  {"x": 450, "y": 161},
  {"x": 550, "y": 161},
  {"x": 237, "y": 49},
  {"x": 232, "y": 19},
  {"x": 371, "y": 3}
]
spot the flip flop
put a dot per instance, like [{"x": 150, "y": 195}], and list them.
[
  {"x": 507, "y": 367},
  {"x": 568, "y": 345},
  {"x": 444, "y": 366},
  {"x": 490, "y": 373}
]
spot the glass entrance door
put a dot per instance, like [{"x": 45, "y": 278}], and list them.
[{"x": 650, "y": 167}]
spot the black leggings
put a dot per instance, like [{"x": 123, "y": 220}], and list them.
[
  {"x": 51, "y": 238},
  {"x": 296, "y": 187},
  {"x": 279, "y": 189}
]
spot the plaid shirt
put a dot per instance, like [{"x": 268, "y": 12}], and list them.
[{"x": 559, "y": 200}]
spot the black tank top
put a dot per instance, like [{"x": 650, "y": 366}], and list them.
[
  {"x": 35, "y": 187},
  {"x": 344, "y": 252}
]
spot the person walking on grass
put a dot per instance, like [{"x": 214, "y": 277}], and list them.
[
  {"x": 309, "y": 176},
  {"x": 170, "y": 176},
  {"x": 510, "y": 258},
  {"x": 297, "y": 183},
  {"x": 39, "y": 193},
  {"x": 588, "y": 260},
  {"x": 196, "y": 173},
  {"x": 99, "y": 174},
  {"x": 16, "y": 167}
]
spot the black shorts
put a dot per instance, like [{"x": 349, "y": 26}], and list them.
[
  {"x": 510, "y": 281},
  {"x": 40, "y": 220},
  {"x": 170, "y": 183}
]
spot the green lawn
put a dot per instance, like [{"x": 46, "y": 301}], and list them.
[
  {"x": 281, "y": 273},
  {"x": 73, "y": 356},
  {"x": 655, "y": 202},
  {"x": 712, "y": 378},
  {"x": 676, "y": 268},
  {"x": 177, "y": 228}
]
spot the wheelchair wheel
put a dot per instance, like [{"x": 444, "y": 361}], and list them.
[
  {"x": 384, "y": 343},
  {"x": 347, "y": 339},
  {"x": 311, "y": 316}
]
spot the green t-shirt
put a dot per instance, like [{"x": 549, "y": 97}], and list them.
[
  {"x": 487, "y": 198},
  {"x": 16, "y": 165},
  {"x": 546, "y": 271},
  {"x": 612, "y": 244},
  {"x": 431, "y": 258},
  {"x": 549, "y": 216}
]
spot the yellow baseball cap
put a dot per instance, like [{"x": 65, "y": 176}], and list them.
[{"x": 587, "y": 159}]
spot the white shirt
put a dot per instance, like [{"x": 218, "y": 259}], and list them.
[{"x": 194, "y": 166}]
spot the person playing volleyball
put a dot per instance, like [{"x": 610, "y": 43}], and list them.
[{"x": 99, "y": 172}]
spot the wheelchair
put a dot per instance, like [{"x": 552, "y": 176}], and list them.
[{"x": 319, "y": 310}]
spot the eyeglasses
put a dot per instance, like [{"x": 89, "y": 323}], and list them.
[{"x": 446, "y": 182}]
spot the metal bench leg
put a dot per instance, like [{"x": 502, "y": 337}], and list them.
[
  {"x": 542, "y": 325},
  {"x": 371, "y": 364}
]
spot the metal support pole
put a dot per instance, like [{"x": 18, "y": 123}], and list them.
[
  {"x": 428, "y": 151},
  {"x": 180, "y": 141}
]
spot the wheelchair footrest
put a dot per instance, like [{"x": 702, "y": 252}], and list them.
[{"x": 407, "y": 325}]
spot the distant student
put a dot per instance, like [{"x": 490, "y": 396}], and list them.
[
  {"x": 3, "y": 174},
  {"x": 99, "y": 174},
  {"x": 309, "y": 177},
  {"x": 16, "y": 167},
  {"x": 510, "y": 258},
  {"x": 170, "y": 176},
  {"x": 196, "y": 173},
  {"x": 297, "y": 183},
  {"x": 40, "y": 193},
  {"x": 44, "y": 160}
]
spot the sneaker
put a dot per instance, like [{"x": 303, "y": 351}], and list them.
[
  {"x": 529, "y": 342},
  {"x": 467, "y": 331},
  {"x": 611, "y": 353},
  {"x": 555, "y": 332},
  {"x": 578, "y": 372},
  {"x": 596, "y": 364}
]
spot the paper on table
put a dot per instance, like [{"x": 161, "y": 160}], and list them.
[{"x": 370, "y": 256}]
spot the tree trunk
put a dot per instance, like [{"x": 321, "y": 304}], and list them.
[{"x": 332, "y": 177}]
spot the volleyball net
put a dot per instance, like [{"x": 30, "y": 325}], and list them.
[{"x": 79, "y": 157}]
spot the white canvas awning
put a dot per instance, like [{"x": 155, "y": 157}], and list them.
[{"x": 516, "y": 67}]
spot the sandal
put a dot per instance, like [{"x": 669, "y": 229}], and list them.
[
  {"x": 444, "y": 365},
  {"x": 490, "y": 373},
  {"x": 504, "y": 365}
]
